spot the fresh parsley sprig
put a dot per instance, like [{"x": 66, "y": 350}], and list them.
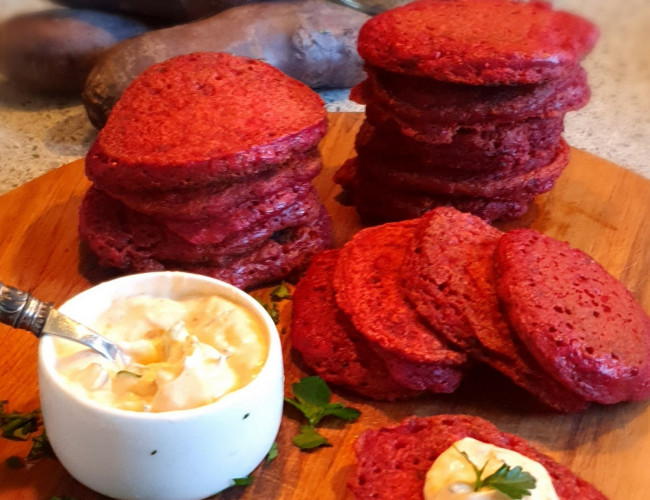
[
  {"x": 312, "y": 399},
  {"x": 511, "y": 481}
]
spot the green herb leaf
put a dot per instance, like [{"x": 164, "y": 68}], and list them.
[
  {"x": 340, "y": 411},
  {"x": 309, "y": 438},
  {"x": 312, "y": 390},
  {"x": 271, "y": 310},
  {"x": 280, "y": 292},
  {"x": 243, "y": 481},
  {"x": 514, "y": 482},
  {"x": 273, "y": 453},
  {"x": 18, "y": 426},
  {"x": 312, "y": 399},
  {"x": 63, "y": 497},
  {"x": 40, "y": 448}
]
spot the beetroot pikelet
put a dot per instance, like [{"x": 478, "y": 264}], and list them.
[
  {"x": 204, "y": 118},
  {"x": 501, "y": 149},
  {"x": 392, "y": 462},
  {"x": 423, "y": 99},
  {"x": 242, "y": 217},
  {"x": 284, "y": 256},
  {"x": 133, "y": 242},
  {"x": 216, "y": 200},
  {"x": 477, "y": 42},
  {"x": 488, "y": 185},
  {"x": 328, "y": 341},
  {"x": 380, "y": 203},
  {"x": 368, "y": 288},
  {"x": 430, "y": 134},
  {"x": 581, "y": 324},
  {"x": 449, "y": 276}
]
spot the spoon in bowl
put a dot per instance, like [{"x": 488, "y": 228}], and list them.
[{"x": 21, "y": 310}]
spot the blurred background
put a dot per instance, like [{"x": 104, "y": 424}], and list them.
[{"x": 41, "y": 131}]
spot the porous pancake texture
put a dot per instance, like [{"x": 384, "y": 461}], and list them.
[
  {"x": 392, "y": 462},
  {"x": 205, "y": 165},
  {"x": 204, "y": 118},
  {"x": 478, "y": 42},
  {"x": 465, "y": 104},
  {"x": 582, "y": 324},
  {"x": 330, "y": 344},
  {"x": 406, "y": 304}
]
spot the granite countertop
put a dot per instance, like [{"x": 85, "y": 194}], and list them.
[{"x": 38, "y": 134}]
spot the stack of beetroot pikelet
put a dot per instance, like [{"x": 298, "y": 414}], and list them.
[
  {"x": 205, "y": 165},
  {"x": 465, "y": 101},
  {"x": 398, "y": 308}
]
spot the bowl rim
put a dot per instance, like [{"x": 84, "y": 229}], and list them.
[{"x": 47, "y": 356}]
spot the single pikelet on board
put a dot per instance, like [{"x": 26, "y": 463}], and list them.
[
  {"x": 328, "y": 341},
  {"x": 583, "y": 326},
  {"x": 392, "y": 462},
  {"x": 368, "y": 288}
]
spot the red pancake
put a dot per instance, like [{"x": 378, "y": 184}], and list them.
[
  {"x": 204, "y": 118},
  {"x": 285, "y": 256},
  {"x": 421, "y": 99},
  {"x": 133, "y": 242},
  {"x": 219, "y": 199},
  {"x": 450, "y": 278},
  {"x": 241, "y": 218},
  {"x": 329, "y": 343},
  {"x": 581, "y": 324},
  {"x": 504, "y": 149},
  {"x": 368, "y": 288},
  {"x": 392, "y": 462},
  {"x": 487, "y": 185},
  {"x": 477, "y": 42},
  {"x": 379, "y": 203}
]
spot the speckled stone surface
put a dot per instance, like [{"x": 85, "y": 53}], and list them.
[{"x": 38, "y": 133}]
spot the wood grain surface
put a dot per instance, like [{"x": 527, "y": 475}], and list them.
[{"x": 596, "y": 206}]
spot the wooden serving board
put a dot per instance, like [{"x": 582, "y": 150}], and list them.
[{"x": 596, "y": 206}]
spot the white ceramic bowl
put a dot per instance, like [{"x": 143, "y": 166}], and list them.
[{"x": 176, "y": 455}]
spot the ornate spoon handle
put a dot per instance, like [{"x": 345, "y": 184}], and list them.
[{"x": 22, "y": 310}]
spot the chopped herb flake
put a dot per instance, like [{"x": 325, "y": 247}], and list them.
[
  {"x": 280, "y": 292},
  {"x": 273, "y": 453},
  {"x": 244, "y": 481}
]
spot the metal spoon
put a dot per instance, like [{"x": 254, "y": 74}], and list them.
[{"x": 21, "y": 310}]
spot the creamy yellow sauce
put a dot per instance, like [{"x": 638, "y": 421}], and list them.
[
  {"x": 451, "y": 477},
  {"x": 184, "y": 354}
]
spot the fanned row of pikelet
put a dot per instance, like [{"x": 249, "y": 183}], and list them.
[
  {"x": 465, "y": 102},
  {"x": 403, "y": 306}
]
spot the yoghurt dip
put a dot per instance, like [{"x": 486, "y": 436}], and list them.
[
  {"x": 184, "y": 353},
  {"x": 451, "y": 476}
]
